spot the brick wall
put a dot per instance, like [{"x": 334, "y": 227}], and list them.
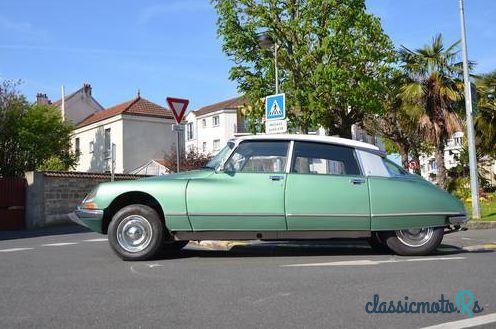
[{"x": 51, "y": 196}]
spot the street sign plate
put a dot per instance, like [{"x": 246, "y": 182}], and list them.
[
  {"x": 275, "y": 107},
  {"x": 177, "y": 127},
  {"x": 276, "y": 126},
  {"x": 178, "y": 107}
]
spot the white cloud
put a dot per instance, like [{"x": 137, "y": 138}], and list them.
[
  {"x": 172, "y": 7},
  {"x": 22, "y": 29}
]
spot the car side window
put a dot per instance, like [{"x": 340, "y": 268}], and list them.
[
  {"x": 258, "y": 157},
  {"x": 394, "y": 169},
  {"x": 324, "y": 159}
]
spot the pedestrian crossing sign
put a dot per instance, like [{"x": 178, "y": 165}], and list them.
[{"x": 275, "y": 107}]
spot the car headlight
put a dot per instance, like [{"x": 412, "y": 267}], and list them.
[{"x": 88, "y": 201}]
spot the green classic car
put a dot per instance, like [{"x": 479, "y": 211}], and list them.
[{"x": 275, "y": 187}]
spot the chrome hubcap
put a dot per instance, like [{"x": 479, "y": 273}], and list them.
[
  {"x": 415, "y": 237},
  {"x": 134, "y": 233}
]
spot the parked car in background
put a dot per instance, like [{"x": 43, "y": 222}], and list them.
[{"x": 276, "y": 187}]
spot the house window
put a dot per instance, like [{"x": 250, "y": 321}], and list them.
[
  {"x": 189, "y": 131},
  {"x": 77, "y": 147},
  {"x": 458, "y": 141},
  {"x": 204, "y": 123},
  {"x": 216, "y": 144},
  {"x": 107, "y": 143},
  {"x": 204, "y": 147},
  {"x": 92, "y": 146},
  {"x": 215, "y": 120}
]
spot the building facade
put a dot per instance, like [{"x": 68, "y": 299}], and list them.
[
  {"x": 138, "y": 130},
  {"x": 76, "y": 106},
  {"x": 209, "y": 128},
  {"x": 428, "y": 166}
]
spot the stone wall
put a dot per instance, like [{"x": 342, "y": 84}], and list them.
[{"x": 51, "y": 196}]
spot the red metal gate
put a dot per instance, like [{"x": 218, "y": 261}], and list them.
[{"x": 12, "y": 194}]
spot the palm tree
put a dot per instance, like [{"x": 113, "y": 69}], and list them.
[
  {"x": 485, "y": 117},
  {"x": 433, "y": 93}
]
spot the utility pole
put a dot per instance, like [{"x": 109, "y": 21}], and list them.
[
  {"x": 474, "y": 184},
  {"x": 112, "y": 163}
]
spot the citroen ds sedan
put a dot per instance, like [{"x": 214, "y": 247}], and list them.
[{"x": 276, "y": 187}]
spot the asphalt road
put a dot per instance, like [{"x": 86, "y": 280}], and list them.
[{"x": 64, "y": 278}]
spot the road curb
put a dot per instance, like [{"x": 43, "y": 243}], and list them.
[{"x": 481, "y": 225}]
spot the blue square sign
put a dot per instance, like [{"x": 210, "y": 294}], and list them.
[{"x": 275, "y": 107}]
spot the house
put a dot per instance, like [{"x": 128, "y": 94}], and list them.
[
  {"x": 428, "y": 166},
  {"x": 139, "y": 130},
  {"x": 210, "y": 127},
  {"x": 76, "y": 106}
]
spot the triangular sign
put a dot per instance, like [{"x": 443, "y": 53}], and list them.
[{"x": 178, "y": 107}]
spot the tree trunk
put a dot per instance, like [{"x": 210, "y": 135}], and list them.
[
  {"x": 441, "y": 169},
  {"x": 404, "y": 155},
  {"x": 416, "y": 159}
]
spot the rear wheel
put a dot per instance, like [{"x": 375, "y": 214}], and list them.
[
  {"x": 136, "y": 232},
  {"x": 414, "y": 242}
]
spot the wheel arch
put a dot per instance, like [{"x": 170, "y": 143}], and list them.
[{"x": 126, "y": 199}]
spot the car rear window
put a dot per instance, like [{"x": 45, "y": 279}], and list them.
[{"x": 324, "y": 159}]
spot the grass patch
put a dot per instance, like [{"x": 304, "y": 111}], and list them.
[{"x": 488, "y": 208}]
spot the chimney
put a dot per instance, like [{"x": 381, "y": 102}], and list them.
[
  {"x": 42, "y": 99},
  {"x": 87, "y": 89}
]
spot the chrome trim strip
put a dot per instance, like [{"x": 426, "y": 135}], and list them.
[
  {"x": 446, "y": 213},
  {"x": 88, "y": 213},
  {"x": 176, "y": 214},
  {"x": 327, "y": 215},
  {"x": 236, "y": 214},
  {"x": 289, "y": 158}
]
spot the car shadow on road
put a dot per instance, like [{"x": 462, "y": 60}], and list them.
[
  {"x": 45, "y": 231},
  {"x": 300, "y": 248}
]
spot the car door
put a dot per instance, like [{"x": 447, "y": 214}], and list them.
[
  {"x": 247, "y": 195},
  {"x": 325, "y": 189}
]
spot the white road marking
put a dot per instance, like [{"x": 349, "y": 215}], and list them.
[
  {"x": 59, "y": 244},
  {"x": 15, "y": 249},
  {"x": 362, "y": 262},
  {"x": 96, "y": 240},
  {"x": 466, "y": 323},
  {"x": 155, "y": 265}
]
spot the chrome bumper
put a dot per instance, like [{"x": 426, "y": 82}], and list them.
[
  {"x": 458, "y": 219},
  {"x": 88, "y": 213}
]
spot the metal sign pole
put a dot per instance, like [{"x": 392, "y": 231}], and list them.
[{"x": 177, "y": 150}]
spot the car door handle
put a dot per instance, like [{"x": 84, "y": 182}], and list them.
[
  {"x": 357, "y": 181},
  {"x": 276, "y": 177}
]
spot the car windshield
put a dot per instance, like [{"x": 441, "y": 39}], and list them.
[{"x": 215, "y": 162}]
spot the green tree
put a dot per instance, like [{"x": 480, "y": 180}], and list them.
[
  {"x": 485, "y": 115},
  {"x": 333, "y": 58},
  {"x": 399, "y": 128},
  {"x": 433, "y": 94},
  {"x": 31, "y": 135}
]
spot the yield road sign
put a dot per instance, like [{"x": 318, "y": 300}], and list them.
[
  {"x": 275, "y": 107},
  {"x": 178, "y": 107}
]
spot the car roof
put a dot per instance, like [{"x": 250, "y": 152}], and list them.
[{"x": 312, "y": 138}]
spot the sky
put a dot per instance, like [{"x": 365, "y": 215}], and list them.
[{"x": 170, "y": 47}]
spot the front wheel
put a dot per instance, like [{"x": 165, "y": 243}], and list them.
[
  {"x": 136, "y": 232},
  {"x": 414, "y": 242}
]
